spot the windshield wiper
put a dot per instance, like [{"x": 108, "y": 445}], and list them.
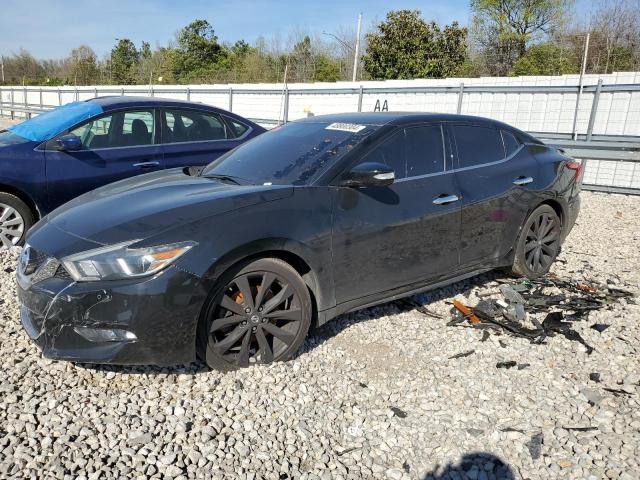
[{"x": 223, "y": 178}]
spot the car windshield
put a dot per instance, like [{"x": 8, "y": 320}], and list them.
[{"x": 293, "y": 154}]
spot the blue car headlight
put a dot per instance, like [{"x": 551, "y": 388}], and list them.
[{"x": 117, "y": 262}]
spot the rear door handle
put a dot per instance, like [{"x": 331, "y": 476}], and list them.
[
  {"x": 522, "y": 180},
  {"x": 146, "y": 164},
  {"x": 445, "y": 199}
]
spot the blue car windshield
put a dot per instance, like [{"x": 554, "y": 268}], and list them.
[
  {"x": 49, "y": 124},
  {"x": 293, "y": 154}
]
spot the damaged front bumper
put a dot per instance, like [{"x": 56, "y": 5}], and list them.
[{"x": 146, "y": 321}]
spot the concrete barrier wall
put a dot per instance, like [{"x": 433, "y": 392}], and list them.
[{"x": 538, "y": 110}]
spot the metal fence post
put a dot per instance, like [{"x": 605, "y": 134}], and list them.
[
  {"x": 41, "y": 103},
  {"x": 59, "y": 96},
  {"x": 594, "y": 110},
  {"x": 188, "y": 94},
  {"x": 95, "y": 93},
  {"x": 230, "y": 99},
  {"x": 360, "y": 94},
  {"x": 460, "y": 94},
  {"x": 26, "y": 104},
  {"x": 75, "y": 94},
  {"x": 12, "y": 100},
  {"x": 285, "y": 115}
]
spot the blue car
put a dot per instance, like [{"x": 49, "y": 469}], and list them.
[{"x": 63, "y": 153}]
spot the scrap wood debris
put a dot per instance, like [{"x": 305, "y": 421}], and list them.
[{"x": 564, "y": 301}]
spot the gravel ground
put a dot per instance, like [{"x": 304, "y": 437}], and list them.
[{"x": 372, "y": 395}]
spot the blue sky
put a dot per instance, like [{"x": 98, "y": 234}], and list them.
[{"x": 51, "y": 28}]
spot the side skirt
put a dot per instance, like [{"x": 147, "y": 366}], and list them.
[{"x": 390, "y": 295}]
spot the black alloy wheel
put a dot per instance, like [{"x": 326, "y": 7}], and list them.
[
  {"x": 539, "y": 243},
  {"x": 261, "y": 315}
]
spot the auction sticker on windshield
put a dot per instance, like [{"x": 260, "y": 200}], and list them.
[{"x": 346, "y": 127}]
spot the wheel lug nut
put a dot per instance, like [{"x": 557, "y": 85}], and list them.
[
  {"x": 253, "y": 329},
  {"x": 260, "y": 309},
  {"x": 264, "y": 320},
  {"x": 247, "y": 310}
]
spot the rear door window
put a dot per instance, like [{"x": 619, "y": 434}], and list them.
[
  {"x": 238, "y": 128},
  {"x": 424, "y": 150},
  {"x": 511, "y": 143},
  {"x": 477, "y": 145},
  {"x": 192, "y": 126}
]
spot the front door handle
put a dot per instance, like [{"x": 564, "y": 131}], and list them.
[
  {"x": 148, "y": 164},
  {"x": 522, "y": 180},
  {"x": 445, "y": 199}
]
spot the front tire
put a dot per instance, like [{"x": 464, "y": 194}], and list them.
[
  {"x": 538, "y": 244},
  {"x": 259, "y": 313},
  {"x": 16, "y": 219}
]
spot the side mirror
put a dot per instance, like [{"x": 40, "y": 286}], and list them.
[
  {"x": 369, "y": 174},
  {"x": 69, "y": 143}
]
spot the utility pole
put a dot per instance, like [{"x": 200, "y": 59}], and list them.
[
  {"x": 582, "y": 72},
  {"x": 355, "y": 58}
]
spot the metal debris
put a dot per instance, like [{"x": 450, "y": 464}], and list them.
[
  {"x": 511, "y": 429},
  {"x": 617, "y": 392},
  {"x": 462, "y": 354},
  {"x": 580, "y": 429},
  {"x": 564, "y": 302},
  {"x": 467, "y": 312},
  {"x": 535, "y": 446},
  {"x": 399, "y": 412},
  {"x": 410, "y": 303},
  {"x": 594, "y": 377},
  {"x": 600, "y": 327},
  {"x": 507, "y": 364}
]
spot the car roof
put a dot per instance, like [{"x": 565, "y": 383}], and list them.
[
  {"x": 118, "y": 101},
  {"x": 405, "y": 118},
  {"x": 398, "y": 118}
]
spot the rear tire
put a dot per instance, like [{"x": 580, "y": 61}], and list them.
[
  {"x": 259, "y": 312},
  {"x": 16, "y": 219},
  {"x": 538, "y": 244}
]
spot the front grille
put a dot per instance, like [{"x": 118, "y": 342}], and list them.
[
  {"x": 61, "y": 272},
  {"x": 36, "y": 258},
  {"x": 35, "y": 266}
]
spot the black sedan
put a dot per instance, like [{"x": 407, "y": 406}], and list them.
[{"x": 232, "y": 263}]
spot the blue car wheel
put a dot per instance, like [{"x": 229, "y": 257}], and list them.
[{"x": 15, "y": 219}]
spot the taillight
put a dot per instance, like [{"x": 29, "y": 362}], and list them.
[{"x": 577, "y": 168}]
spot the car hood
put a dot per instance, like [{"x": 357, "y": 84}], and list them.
[
  {"x": 9, "y": 141},
  {"x": 147, "y": 205}
]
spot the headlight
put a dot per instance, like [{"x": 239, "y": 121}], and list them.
[{"x": 117, "y": 262}]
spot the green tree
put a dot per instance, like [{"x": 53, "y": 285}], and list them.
[
  {"x": 198, "y": 53},
  {"x": 544, "y": 59},
  {"x": 505, "y": 28},
  {"x": 302, "y": 60},
  {"x": 404, "y": 46},
  {"x": 123, "y": 62},
  {"x": 326, "y": 69},
  {"x": 241, "y": 49},
  {"x": 83, "y": 66}
]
